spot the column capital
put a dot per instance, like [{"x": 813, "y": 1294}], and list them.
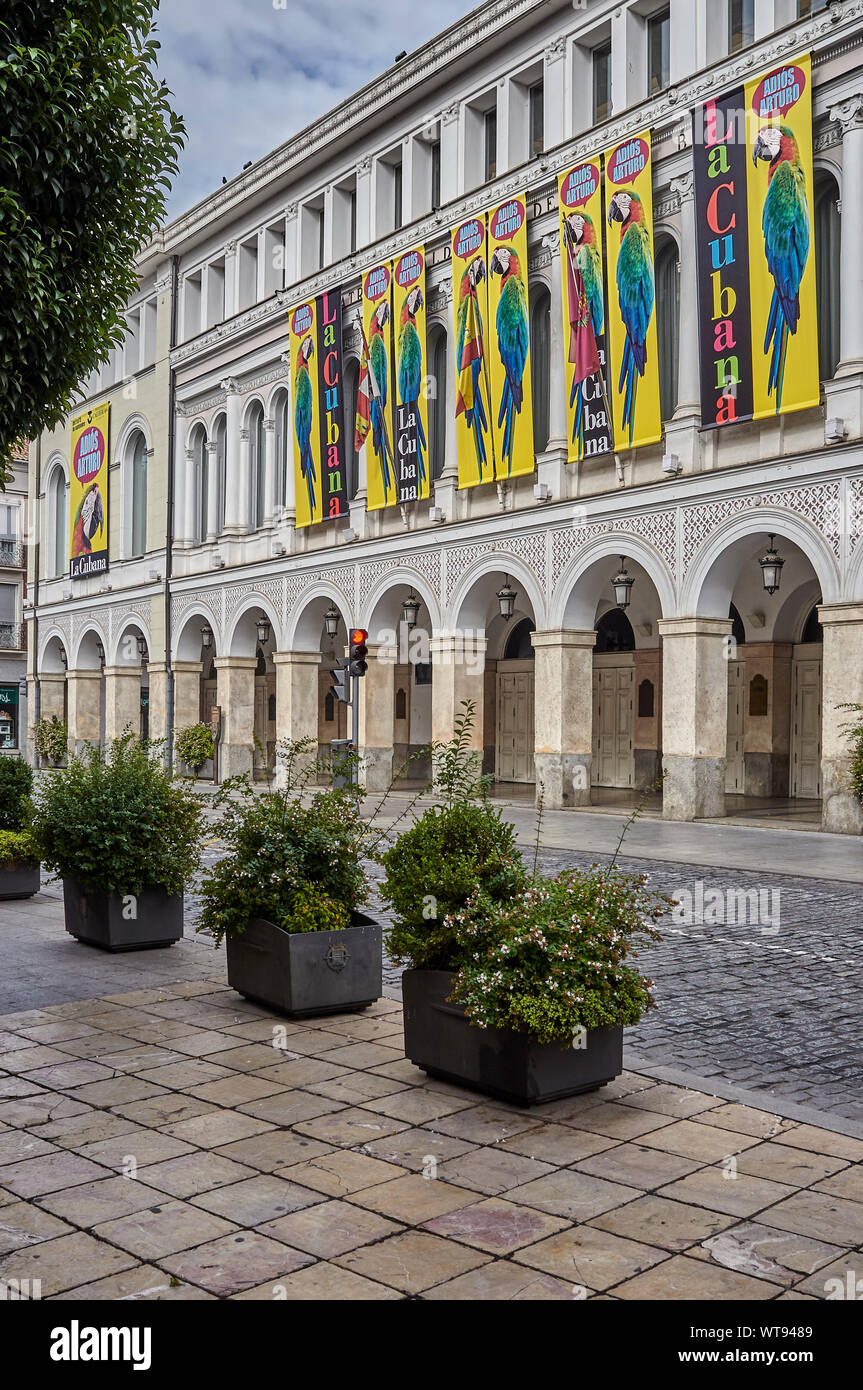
[
  {"x": 230, "y": 386},
  {"x": 269, "y": 425},
  {"x": 296, "y": 658},
  {"x": 450, "y": 113},
  {"x": 849, "y": 113},
  {"x": 211, "y": 446},
  {"x": 115, "y": 671},
  {"x": 564, "y": 637},
  {"x": 835, "y": 613},
  {"x": 684, "y": 186},
  {"x": 556, "y": 50},
  {"x": 235, "y": 663},
  {"x": 694, "y": 627}
]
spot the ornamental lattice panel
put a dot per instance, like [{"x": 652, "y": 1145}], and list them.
[
  {"x": 427, "y": 563},
  {"x": 659, "y": 529},
  {"x": 529, "y": 549},
  {"x": 819, "y": 504}
]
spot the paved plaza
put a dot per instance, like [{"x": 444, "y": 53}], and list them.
[{"x": 162, "y": 1138}]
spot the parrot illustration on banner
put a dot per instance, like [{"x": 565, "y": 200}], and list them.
[
  {"x": 586, "y": 256},
  {"x": 786, "y": 227},
  {"x": 410, "y": 369},
  {"x": 89, "y": 519},
  {"x": 379, "y": 366},
  {"x": 513, "y": 340},
  {"x": 469, "y": 354},
  {"x": 303, "y": 418},
  {"x": 635, "y": 292}
]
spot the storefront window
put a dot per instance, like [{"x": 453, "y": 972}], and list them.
[{"x": 8, "y": 716}]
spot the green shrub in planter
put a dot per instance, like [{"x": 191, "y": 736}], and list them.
[
  {"x": 51, "y": 740},
  {"x": 16, "y": 784},
  {"x": 195, "y": 745},
  {"x": 16, "y": 847},
  {"x": 116, "y": 822},
  {"x": 854, "y": 730},
  {"x": 553, "y": 958}
]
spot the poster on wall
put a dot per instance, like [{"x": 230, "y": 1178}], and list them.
[
  {"x": 634, "y": 367},
  {"x": 783, "y": 310},
  {"x": 411, "y": 408},
  {"x": 509, "y": 340},
  {"x": 381, "y": 476},
  {"x": 319, "y": 427},
  {"x": 719, "y": 153},
  {"x": 582, "y": 288},
  {"x": 88, "y": 493},
  {"x": 474, "y": 433}
]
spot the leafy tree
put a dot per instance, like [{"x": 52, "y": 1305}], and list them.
[{"x": 88, "y": 140}]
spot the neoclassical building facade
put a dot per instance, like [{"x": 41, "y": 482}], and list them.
[{"x": 219, "y": 600}]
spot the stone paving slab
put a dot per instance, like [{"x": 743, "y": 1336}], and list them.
[{"x": 335, "y": 1174}]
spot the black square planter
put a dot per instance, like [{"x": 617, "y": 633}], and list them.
[
  {"x": 98, "y": 918},
  {"x": 20, "y": 880},
  {"x": 305, "y": 973},
  {"x": 498, "y": 1061}
]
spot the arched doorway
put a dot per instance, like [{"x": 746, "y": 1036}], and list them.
[
  {"x": 195, "y": 680},
  {"x": 514, "y": 702},
  {"x": 396, "y": 708}
]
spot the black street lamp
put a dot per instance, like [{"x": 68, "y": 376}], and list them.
[
  {"x": 263, "y": 630},
  {"x": 622, "y": 584},
  {"x": 331, "y": 620},
  {"x": 206, "y": 637},
  {"x": 410, "y": 609},
  {"x": 771, "y": 563},
  {"x": 506, "y": 598}
]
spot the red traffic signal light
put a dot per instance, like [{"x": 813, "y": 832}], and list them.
[{"x": 359, "y": 651}]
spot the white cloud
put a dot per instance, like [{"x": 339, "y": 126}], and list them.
[{"x": 246, "y": 75}]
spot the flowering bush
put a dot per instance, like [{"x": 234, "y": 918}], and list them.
[{"x": 552, "y": 958}]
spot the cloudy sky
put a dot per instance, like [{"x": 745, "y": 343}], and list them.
[{"x": 247, "y": 74}]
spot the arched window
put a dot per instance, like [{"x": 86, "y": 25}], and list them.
[
  {"x": 220, "y": 434},
  {"x": 812, "y": 629},
  {"x": 827, "y": 244},
  {"x": 138, "y": 485},
  {"x": 738, "y": 631},
  {"x": 284, "y": 453},
  {"x": 668, "y": 323},
  {"x": 257, "y": 464},
  {"x": 518, "y": 644},
  {"x": 57, "y": 520},
  {"x": 437, "y": 403},
  {"x": 540, "y": 356},
  {"x": 198, "y": 465},
  {"x": 614, "y": 633},
  {"x": 352, "y": 461}
]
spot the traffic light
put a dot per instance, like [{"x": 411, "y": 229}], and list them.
[
  {"x": 359, "y": 651},
  {"x": 341, "y": 686}
]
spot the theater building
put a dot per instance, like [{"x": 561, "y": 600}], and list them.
[{"x": 708, "y": 658}]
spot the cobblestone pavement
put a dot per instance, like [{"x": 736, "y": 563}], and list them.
[{"x": 179, "y": 1142}]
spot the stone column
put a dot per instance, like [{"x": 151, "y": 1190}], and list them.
[
  {"x": 187, "y": 693},
  {"x": 849, "y": 114},
  {"x": 122, "y": 701},
  {"x": 296, "y": 701},
  {"x": 211, "y": 464},
  {"x": 190, "y": 527},
  {"x": 236, "y": 691},
  {"x": 52, "y": 694},
  {"x": 555, "y": 123},
  {"x": 269, "y": 472},
  {"x": 694, "y": 716},
  {"x": 291, "y": 267},
  {"x": 232, "y": 457},
  {"x": 450, "y": 178},
  {"x": 377, "y": 696},
  {"x": 84, "y": 713},
  {"x": 563, "y": 716},
  {"x": 157, "y": 673},
  {"x": 244, "y": 483},
  {"x": 232, "y": 289},
  {"x": 458, "y": 665},
  {"x": 842, "y": 683}
]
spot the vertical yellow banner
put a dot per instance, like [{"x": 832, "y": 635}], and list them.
[
  {"x": 476, "y": 447},
  {"x": 783, "y": 311},
  {"x": 378, "y": 341},
  {"x": 509, "y": 337},
  {"x": 634, "y": 375},
  {"x": 88, "y": 493},
  {"x": 412, "y": 420},
  {"x": 307, "y": 414},
  {"x": 582, "y": 287}
]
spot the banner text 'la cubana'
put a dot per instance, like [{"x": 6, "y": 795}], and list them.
[
  {"x": 508, "y": 340},
  {"x": 411, "y": 409},
  {"x": 317, "y": 395},
  {"x": 474, "y": 433},
  {"x": 381, "y": 474},
  {"x": 581, "y": 237},
  {"x": 784, "y": 313},
  {"x": 88, "y": 493},
  {"x": 634, "y": 368}
]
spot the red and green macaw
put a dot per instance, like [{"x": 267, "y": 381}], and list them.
[
  {"x": 581, "y": 235},
  {"x": 410, "y": 364},
  {"x": 476, "y": 415},
  {"x": 303, "y": 418},
  {"x": 785, "y": 223},
  {"x": 635, "y": 295},
  {"x": 89, "y": 518},
  {"x": 379, "y": 363},
  {"x": 513, "y": 340}
]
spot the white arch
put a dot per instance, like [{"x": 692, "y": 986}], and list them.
[
  {"x": 131, "y": 424},
  {"x": 124, "y": 455},
  {"x": 465, "y": 607},
  {"x": 195, "y": 425},
  {"x": 582, "y": 614},
  {"x": 709, "y": 581},
  {"x": 51, "y": 634},
  {"x": 305, "y": 622},
  {"x": 248, "y": 406},
  {"x": 57, "y": 564},
  {"x": 92, "y": 629},
  {"x": 282, "y": 387},
  {"x": 132, "y": 622},
  {"x": 253, "y": 601},
  {"x": 184, "y": 651},
  {"x": 401, "y": 576}
]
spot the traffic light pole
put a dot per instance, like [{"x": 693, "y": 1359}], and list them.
[{"x": 355, "y": 726}]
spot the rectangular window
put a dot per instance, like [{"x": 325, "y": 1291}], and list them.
[
  {"x": 8, "y": 521},
  {"x": 397, "y": 195},
  {"x": 658, "y": 51},
  {"x": 435, "y": 175},
  {"x": 490, "y": 144},
  {"x": 321, "y": 239},
  {"x": 602, "y": 83},
  {"x": 352, "y": 243},
  {"x": 536, "y": 116},
  {"x": 741, "y": 24},
  {"x": 8, "y": 715}
]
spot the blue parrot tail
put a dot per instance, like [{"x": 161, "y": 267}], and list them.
[
  {"x": 578, "y": 423},
  {"x": 628, "y": 386},
  {"x": 422, "y": 445},
  {"x": 507, "y": 411},
  {"x": 776, "y": 343}
]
